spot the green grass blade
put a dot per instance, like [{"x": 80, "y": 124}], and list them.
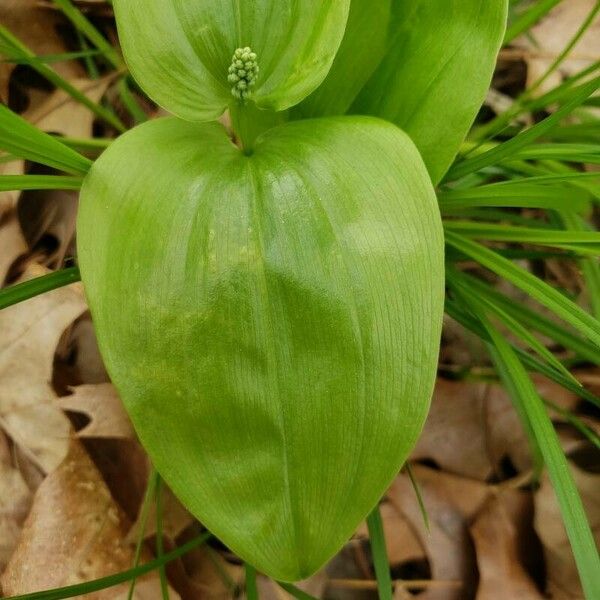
[
  {"x": 456, "y": 311},
  {"x": 149, "y": 496},
  {"x": 576, "y": 422},
  {"x": 14, "y": 49},
  {"x": 160, "y": 551},
  {"x": 22, "y": 139},
  {"x": 529, "y": 18},
  {"x": 104, "y": 583},
  {"x": 529, "y": 318},
  {"x": 514, "y": 194},
  {"x": 419, "y": 495},
  {"x": 535, "y": 287},
  {"x": 40, "y": 285},
  {"x": 9, "y": 183},
  {"x": 251, "y": 587},
  {"x": 507, "y": 149},
  {"x": 525, "y": 235},
  {"x": 53, "y": 58},
  {"x": 521, "y": 388},
  {"x": 515, "y": 327},
  {"x": 90, "y": 32},
  {"x": 379, "y": 552}
]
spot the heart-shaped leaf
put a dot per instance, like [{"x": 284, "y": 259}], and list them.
[
  {"x": 271, "y": 321},
  {"x": 180, "y": 52}
]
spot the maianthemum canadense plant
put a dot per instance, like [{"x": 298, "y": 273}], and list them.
[{"x": 268, "y": 298}]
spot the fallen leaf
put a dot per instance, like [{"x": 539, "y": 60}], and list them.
[
  {"x": 451, "y": 503},
  {"x": 38, "y": 28},
  {"x": 496, "y": 536},
  {"x": 29, "y": 414},
  {"x": 74, "y": 533},
  {"x": 102, "y": 405},
  {"x": 15, "y": 501},
  {"x": 562, "y": 579}
]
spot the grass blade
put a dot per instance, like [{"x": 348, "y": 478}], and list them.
[
  {"x": 535, "y": 287},
  {"x": 529, "y": 18},
  {"x": 507, "y": 149},
  {"x": 251, "y": 588},
  {"x": 9, "y": 183},
  {"x": 145, "y": 510},
  {"x": 379, "y": 551},
  {"x": 13, "y": 48},
  {"x": 40, "y": 285},
  {"x": 160, "y": 551},
  {"x": 22, "y": 139},
  {"x": 521, "y": 388},
  {"x": 90, "y": 32}
]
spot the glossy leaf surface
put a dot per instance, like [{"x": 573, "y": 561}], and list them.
[
  {"x": 434, "y": 76},
  {"x": 180, "y": 51},
  {"x": 271, "y": 321},
  {"x": 362, "y": 49}
]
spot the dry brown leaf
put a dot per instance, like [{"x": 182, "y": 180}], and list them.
[
  {"x": 470, "y": 429},
  {"x": 454, "y": 435},
  {"x": 563, "y": 581},
  {"x": 29, "y": 414},
  {"x": 37, "y": 27},
  {"x": 451, "y": 502},
  {"x": 15, "y": 500},
  {"x": 497, "y": 540},
  {"x": 74, "y": 533},
  {"x": 401, "y": 542},
  {"x": 102, "y": 405},
  {"x": 12, "y": 242},
  {"x": 546, "y": 40}
]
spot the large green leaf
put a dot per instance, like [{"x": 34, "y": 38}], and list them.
[
  {"x": 362, "y": 49},
  {"x": 180, "y": 51},
  {"x": 436, "y": 72},
  {"x": 271, "y": 321}
]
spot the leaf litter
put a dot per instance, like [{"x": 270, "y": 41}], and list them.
[{"x": 72, "y": 474}]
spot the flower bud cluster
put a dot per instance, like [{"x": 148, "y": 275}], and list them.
[{"x": 243, "y": 72}]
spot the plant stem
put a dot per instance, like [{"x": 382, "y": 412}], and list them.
[{"x": 249, "y": 122}]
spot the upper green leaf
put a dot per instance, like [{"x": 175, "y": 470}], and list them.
[
  {"x": 271, "y": 321},
  {"x": 181, "y": 52},
  {"x": 426, "y": 68},
  {"x": 362, "y": 49}
]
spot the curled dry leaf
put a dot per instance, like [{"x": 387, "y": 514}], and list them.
[
  {"x": 451, "y": 502},
  {"x": 470, "y": 429},
  {"x": 38, "y": 27},
  {"x": 15, "y": 500},
  {"x": 75, "y": 532},
  {"x": 562, "y": 580},
  {"x": 102, "y": 405},
  {"x": 497, "y": 534},
  {"x": 29, "y": 414}
]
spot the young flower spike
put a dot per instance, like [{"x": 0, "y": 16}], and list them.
[{"x": 243, "y": 72}]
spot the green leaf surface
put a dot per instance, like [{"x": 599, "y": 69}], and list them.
[
  {"x": 363, "y": 48},
  {"x": 180, "y": 52},
  {"x": 436, "y": 73},
  {"x": 271, "y": 321}
]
